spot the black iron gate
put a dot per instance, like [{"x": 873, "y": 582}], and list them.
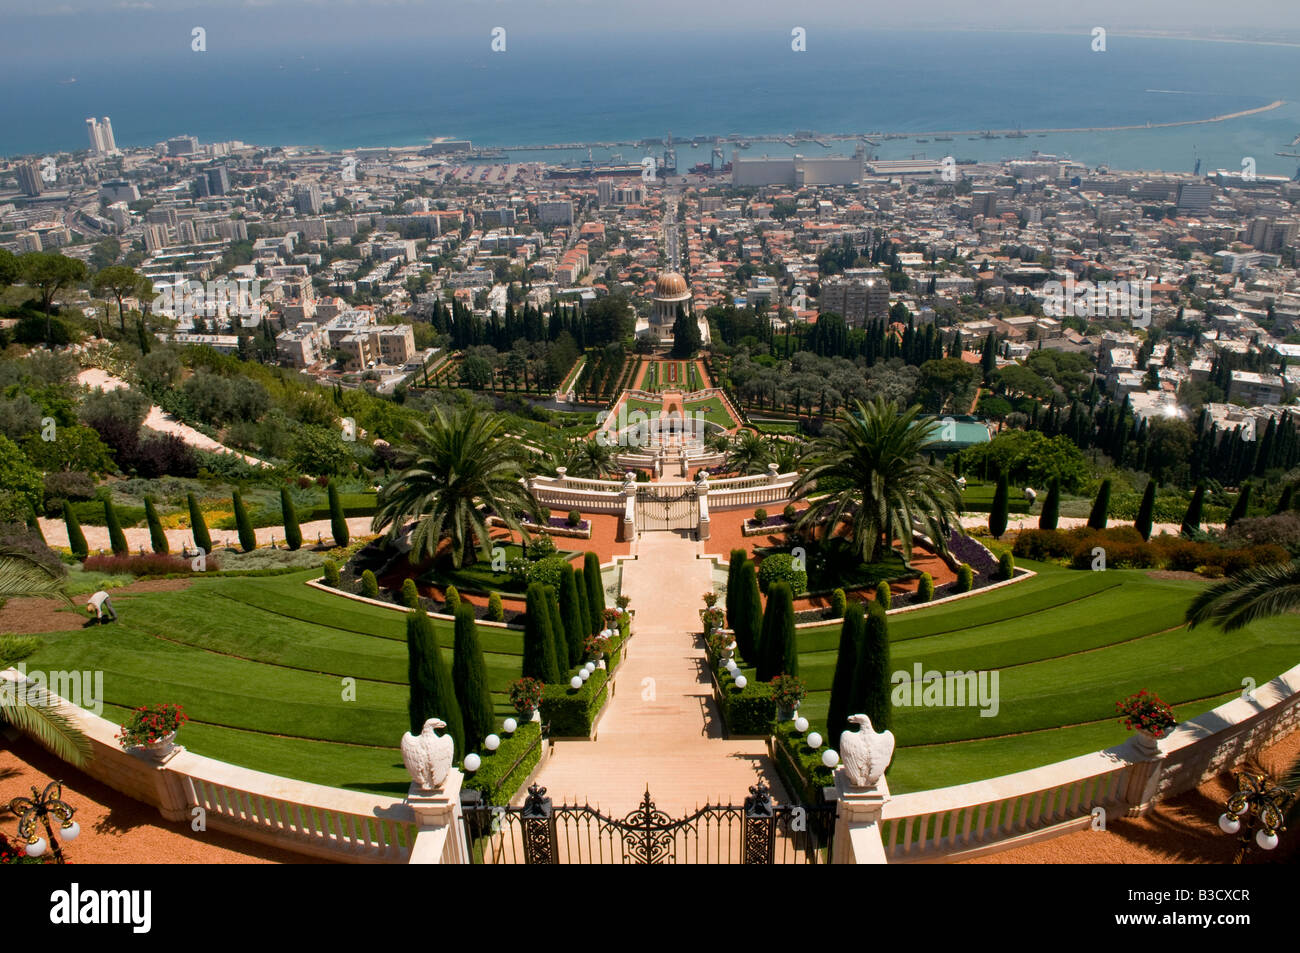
[
  {"x": 757, "y": 832},
  {"x": 666, "y": 508}
]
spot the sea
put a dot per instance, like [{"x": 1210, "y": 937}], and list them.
[{"x": 619, "y": 89}]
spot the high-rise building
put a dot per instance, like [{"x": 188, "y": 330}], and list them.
[
  {"x": 120, "y": 215},
  {"x": 29, "y": 178},
  {"x": 155, "y": 238},
  {"x": 308, "y": 199},
  {"x": 1195, "y": 195},
  {"x": 218, "y": 180},
  {"x": 182, "y": 146},
  {"x": 106, "y": 133},
  {"x": 95, "y": 133}
]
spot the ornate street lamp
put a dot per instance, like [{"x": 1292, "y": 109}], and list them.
[
  {"x": 40, "y": 806},
  {"x": 1263, "y": 804}
]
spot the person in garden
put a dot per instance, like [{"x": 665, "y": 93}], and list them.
[{"x": 101, "y": 607}]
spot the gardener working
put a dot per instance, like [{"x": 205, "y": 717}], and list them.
[{"x": 100, "y": 606}]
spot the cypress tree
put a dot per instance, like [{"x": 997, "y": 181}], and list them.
[
  {"x": 777, "y": 652},
  {"x": 495, "y": 611},
  {"x": 1284, "y": 501},
  {"x": 884, "y": 595},
  {"x": 369, "y": 585},
  {"x": 1146, "y": 510},
  {"x": 749, "y": 613},
  {"x": 116, "y": 538},
  {"x": 595, "y": 591},
  {"x": 292, "y": 531},
  {"x": 469, "y": 676},
  {"x": 1052, "y": 507},
  {"x": 871, "y": 682},
  {"x": 560, "y": 637},
  {"x": 1100, "y": 507},
  {"x": 34, "y": 524},
  {"x": 247, "y": 538},
  {"x": 157, "y": 538},
  {"x": 198, "y": 525},
  {"x": 589, "y": 625},
  {"x": 852, "y": 636},
  {"x": 410, "y": 594},
  {"x": 338, "y": 523},
  {"x": 451, "y": 598},
  {"x": 432, "y": 694},
  {"x": 1192, "y": 518},
  {"x": 1001, "y": 507},
  {"x": 76, "y": 538},
  {"x": 539, "y": 643},
  {"x": 1240, "y": 507},
  {"x": 733, "y": 585},
  {"x": 571, "y": 614}
]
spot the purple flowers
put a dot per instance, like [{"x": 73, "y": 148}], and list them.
[{"x": 972, "y": 552}]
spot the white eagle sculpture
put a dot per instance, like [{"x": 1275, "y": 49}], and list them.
[
  {"x": 865, "y": 754},
  {"x": 428, "y": 756}
]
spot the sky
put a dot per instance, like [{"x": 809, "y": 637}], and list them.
[{"x": 76, "y": 28}]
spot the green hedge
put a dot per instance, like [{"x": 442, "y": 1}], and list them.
[
  {"x": 495, "y": 776},
  {"x": 801, "y": 768},
  {"x": 747, "y": 711},
  {"x": 571, "y": 714}
]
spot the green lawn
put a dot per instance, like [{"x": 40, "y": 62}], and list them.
[
  {"x": 1066, "y": 646},
  {"x": 261, "y": 666},
  {"x": 978, "y": 498}
]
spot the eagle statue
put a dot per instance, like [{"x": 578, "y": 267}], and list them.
[
  {"x": 865, "y": 754},
  {"x": 428, "y": 756}
]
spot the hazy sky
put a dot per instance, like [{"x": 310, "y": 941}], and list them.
[{"x": 49, "y": 27}]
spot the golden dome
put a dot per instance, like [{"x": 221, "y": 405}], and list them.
[{"x": 670, "y": 285}]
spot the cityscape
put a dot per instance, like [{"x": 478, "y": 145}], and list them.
[{"x": 799, "y": 496}]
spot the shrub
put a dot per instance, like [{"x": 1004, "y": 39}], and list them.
[
  {"x": 965, "y": 578},
  {"x": 116, "y": 538},
  {"x": 790, "y": 512},
  {"x": 155, "y": 565},
  {"x": 469, "y": 676},
  {"x": 289, "y": 513},
  {"x": 157, "y": 538},
  {"x": 925, "y": 588},
  {"x": 779, "y": 567},
  {"x": 1100, "y": 507},
  {"x": 369, "y": 585},
  {"x": 338, "y": 522},
  {"x": 76, "y": 538},
  {"x": 1006, "y": 566},
  {"x": 884, "y": 596},
  {"x": 749, "y": 710},
  {"x": 541, "y": 547},
  {"x": 198, "y": 525},
  {"x": 452, "y": 599},
  {"x": 570, "y": 712},
  {"x": 495, "y": 611},
  {"x": 1043, "y": 544},
  {"x": 839, "y": 602},
  {"x": 244, "y": 525},
  {"x": 548, "y": 571},
  {"x": 501, "y": 772},
  {"x": 410, "y": 594},
  {"x": 331, "y": 573},
  {"x": 574, "y": 518},
  {"x": 760, "y": 515},
  {"x": 1282, "y": 529},
  {"x": 60, "y": 487}
]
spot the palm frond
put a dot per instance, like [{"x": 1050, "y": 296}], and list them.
[
  {"x": 49, "y": 725},
  {"x": 21, "y": 575},
  {"x": 1258, "y": 593}
]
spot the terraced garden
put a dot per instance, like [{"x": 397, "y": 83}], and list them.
[
  {"x": 1067, "y": 645},
  {"x": 260, "y": 663}
]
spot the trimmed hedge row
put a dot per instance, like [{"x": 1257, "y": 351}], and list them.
[
  {"x": 1125, "y": 549},
  {"x": 801, "y": 768},
  {"x": 572, "y": 714},
  {"x": 746, "y": 711},
  {"x": 495, "y": 777}
]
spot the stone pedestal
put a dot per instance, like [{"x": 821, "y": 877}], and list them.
[
  {"x": 1144, "y": 781},
  {"x": 857, "y": 822},
  {"x": 437, "y": 818}
]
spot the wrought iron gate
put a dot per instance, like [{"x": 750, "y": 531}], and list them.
[
  {"x": 667, "y": 508},
  {"x": 757, "y": 832}
]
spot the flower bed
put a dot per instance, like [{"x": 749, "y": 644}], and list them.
[
  {"x": 972, "y": 552},
  {"x": 753, "y": 527}
]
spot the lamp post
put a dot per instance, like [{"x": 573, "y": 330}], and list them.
[
  {"x": 1262, "y": 804},
  {"x": 40, "y": 806}
]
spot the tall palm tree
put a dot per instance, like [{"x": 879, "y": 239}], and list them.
[
  {"x": 21, "y": 575},
  {"x": 1255, "y": 594},
  {"x": 459, "y": 464},
  {"x": 748, "y": 453},
  {"x": 881, "y": 485}
]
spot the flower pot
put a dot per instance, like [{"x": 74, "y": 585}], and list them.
[
  {"x": 158, "y": 750},
  {"x": 784, "y": 714},
  {"x": 1147, "y": 742}
]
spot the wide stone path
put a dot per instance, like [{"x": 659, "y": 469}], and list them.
[{"x": 662, "y": 728}]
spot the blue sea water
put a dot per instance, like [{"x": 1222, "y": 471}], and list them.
[{"x": 404, "y": 90}]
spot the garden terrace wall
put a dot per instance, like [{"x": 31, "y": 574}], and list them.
[
  {"x": 324, "y": 822},
  {"x": 967, "y": 820}
]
